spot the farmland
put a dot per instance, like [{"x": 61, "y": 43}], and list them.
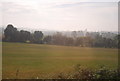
[{"x": 32, "y": 60}]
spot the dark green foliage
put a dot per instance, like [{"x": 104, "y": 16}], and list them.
[
  {"x": 102, "y": 73},
  {"x": 38, "y": 35},
  {"x": 24, "y": 36},
  {"x": 13, "y": 35},
  {"x": 100, "y": 41}
]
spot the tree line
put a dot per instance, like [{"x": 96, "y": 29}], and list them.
[{"x": 11, "y": 34}]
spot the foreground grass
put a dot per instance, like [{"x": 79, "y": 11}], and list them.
[{"x": 32, "y": 60}]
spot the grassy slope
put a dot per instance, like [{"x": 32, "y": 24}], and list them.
[{"x": 35, "y": 59}]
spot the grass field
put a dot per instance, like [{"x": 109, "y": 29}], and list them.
[{"x": 32, "y": 60}]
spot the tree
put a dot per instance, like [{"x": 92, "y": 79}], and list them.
[
  {"x": 38, "y": 36},
  {"x": 24, "y": 36},
  {"x": 58, "y": 39},
  {"x": 79, "y": 41},
  {"x": 84, "y": 41},
  {"x": 69, "y": 41},
  {"x": 11, "y": 34},
  {"x": 47, "y": 39},
  {"x": 117, "y": 39},
  {"x": 98, "y": 41},
  {"x": 74, "y": 34}
]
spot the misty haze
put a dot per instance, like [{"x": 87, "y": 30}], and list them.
[{"x": 59, "y": 39}]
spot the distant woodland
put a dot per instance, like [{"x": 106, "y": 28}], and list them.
[{"x": 11, "y": 34}]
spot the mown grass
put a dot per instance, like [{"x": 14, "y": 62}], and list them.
[{"x": 44, "y": 61}]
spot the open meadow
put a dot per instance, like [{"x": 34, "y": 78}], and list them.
[{"x": 44, "y": 61}]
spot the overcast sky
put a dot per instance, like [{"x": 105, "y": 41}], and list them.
[{"x": 93, "y": 15}]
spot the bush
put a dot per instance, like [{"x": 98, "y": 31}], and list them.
[{"x": 102, "y": 73}]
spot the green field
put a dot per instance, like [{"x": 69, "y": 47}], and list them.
[{"x": 36, "y": 60}]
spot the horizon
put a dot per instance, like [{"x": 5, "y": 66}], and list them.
[{"x": 47, "y": 30}]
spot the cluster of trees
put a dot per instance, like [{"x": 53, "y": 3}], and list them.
[
  {"x": 11, "y": 34},
  {"x": 86, "y": 41}
]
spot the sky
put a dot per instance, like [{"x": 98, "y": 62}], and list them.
[{"x": 60, "y": 15}]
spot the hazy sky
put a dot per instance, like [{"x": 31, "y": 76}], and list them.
[{"x": 93, "y": 15}]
